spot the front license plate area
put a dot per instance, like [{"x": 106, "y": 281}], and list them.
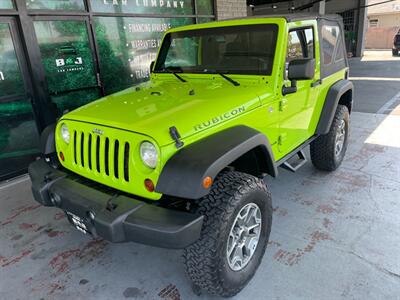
[{"x": 79, "y": 223}]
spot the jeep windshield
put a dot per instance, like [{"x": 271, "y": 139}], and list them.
[{"x": 247, "y": 49}]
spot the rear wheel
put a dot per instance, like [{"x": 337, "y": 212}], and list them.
[
  {"x": 395, "y": 52},
  {"x": 237, "y": 223},
  {"x": 327, "y": 151}
]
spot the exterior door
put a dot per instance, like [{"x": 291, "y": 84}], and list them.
[
  {"x": 297, "y": 109},
  {"x": 18, "y": 131},
  {"x": 67, "y": 54}
]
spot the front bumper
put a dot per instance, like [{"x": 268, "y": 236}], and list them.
[{"x": 117, "y": 218}]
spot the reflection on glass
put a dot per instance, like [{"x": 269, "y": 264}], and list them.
[
  {"x": 127, "y": 46},
  {"x": 171, "y": 7},
  {"x": 55, "y": 4},
  {"x": 6, "y": 4},
  {"x": 10, "y": 76},
  {"x": 18, "y": 134},
  {"x": 68, "y": 61},
  {"x": 205, "y": 7},
  {"x": 204, "y": 20}
]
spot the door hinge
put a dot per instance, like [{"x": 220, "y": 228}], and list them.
[{"x": 283, "y": 104}]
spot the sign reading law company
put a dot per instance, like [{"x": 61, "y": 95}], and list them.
[{"x": 144, "y": 6}]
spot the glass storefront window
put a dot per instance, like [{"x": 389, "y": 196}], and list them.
[
  {"x": 67, "y": 58},
  {"x": 205, "y": 7},
  {"x": 172, "y": 7},
  {"x": 127, "y": 46},
  {"x": 18, "y": 133},
  {"x": 11, "y": 82},
  {"x": 6, "y": 4},
  {"x": 204, "y": 20},
  {"x": 56, "y": 4}
]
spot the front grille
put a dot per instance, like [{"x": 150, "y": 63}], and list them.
[{"x": 101, "y": 155}]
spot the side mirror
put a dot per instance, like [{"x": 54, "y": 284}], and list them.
[
  {"x": 152, "y": 66},
  {"x": 299, "y": 69}
]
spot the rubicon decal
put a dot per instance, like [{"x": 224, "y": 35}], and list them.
[{"x": 219, "y": 119}]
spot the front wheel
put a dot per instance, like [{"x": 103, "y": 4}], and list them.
[
  {"x": 327, "y": 151},
  {"x": 237, "y": 223}
]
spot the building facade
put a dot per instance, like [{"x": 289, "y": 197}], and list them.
[
  {"x": 56, "y": 55},
  {"x": 383, "y": 24}
]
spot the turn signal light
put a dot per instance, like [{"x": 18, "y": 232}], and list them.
[
  {"x": 149, "y": 185},
  {"x": 207, "y": 182},
  {"x": 62, "y": 156}
]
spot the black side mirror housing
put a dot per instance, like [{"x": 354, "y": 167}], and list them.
[
  {"x": 152, "y": 66},
  {"x": 299, "y": 69}
]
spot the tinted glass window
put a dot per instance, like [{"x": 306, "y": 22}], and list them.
[
  {"x": 127, "y": 46},
  {"x": 58, "y": 5},
  {"x": 6, "y": 4},
  {"x": 205, "y": 7},
  {"x": 397, "y": 39},
  {"x": 171, "y": 7},
  {"x": 300, "y": 44},
  {"x": 236, "y": 49},
  {"x": 330, "y": 36}
]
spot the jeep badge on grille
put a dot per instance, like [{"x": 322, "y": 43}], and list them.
[{"x": 98, "y": 131}]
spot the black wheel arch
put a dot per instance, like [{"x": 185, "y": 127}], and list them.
[
  {"x": 47, "y": 140},
  {"x": 238, "y": 146},
  {"x": 339, "y": 93}
]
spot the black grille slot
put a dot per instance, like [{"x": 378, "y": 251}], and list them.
[
  {"x": 98, "y": 154},
  {"x": 126, "y": 162},
  {"x": 90, "y": 151},
  {"x": 116, "y": 153},
  {"x": 106, "y": 158},
  {"x": 75, "y": 147},
  {"x": 82, "y": 148}
]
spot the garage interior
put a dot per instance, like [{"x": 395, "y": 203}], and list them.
[{"x": 335, "y": 235}]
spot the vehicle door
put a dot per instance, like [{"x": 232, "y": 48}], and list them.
[{"x": 296, "y": 109}]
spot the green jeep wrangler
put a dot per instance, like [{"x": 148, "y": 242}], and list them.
[{"x": 180, "y": 161}]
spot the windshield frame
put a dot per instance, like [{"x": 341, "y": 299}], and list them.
[{"x": 158, "y": 68}]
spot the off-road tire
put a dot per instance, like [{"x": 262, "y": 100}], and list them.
[
  {"x": 322, "y": 149},
  {"x": 206, "y": 260}
]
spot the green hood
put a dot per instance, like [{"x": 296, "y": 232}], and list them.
[{"x": 153, "y": 107}]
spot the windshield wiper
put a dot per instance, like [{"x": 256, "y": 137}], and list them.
[
  {"x": 168, "y": 70},
  {"x": 234, "y": 82}
]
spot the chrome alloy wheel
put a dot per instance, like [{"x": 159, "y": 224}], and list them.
[
  {"x": 340, "y": 138},
  {"x": 244, "y": 236}
]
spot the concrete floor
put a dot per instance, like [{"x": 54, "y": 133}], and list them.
[{"x": 334, "y": 235}]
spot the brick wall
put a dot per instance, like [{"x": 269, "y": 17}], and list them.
[{"x": 227, "y": 9}]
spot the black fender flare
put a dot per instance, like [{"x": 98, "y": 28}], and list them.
[
  {"x": 336, "y": 91},
  {"x": 47, "y": 140},
  {"x": 183, "y": 174}
]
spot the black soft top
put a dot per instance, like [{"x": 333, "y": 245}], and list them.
[{"x": 299, "y": 17}]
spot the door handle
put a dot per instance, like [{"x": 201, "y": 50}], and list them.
[{"x": 316, "y": 83}]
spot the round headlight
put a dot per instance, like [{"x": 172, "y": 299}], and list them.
[
  {"x": 149, "y": 155},
  {"x": 65, "y": 133}
]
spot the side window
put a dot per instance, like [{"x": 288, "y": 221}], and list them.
[
  {"x": 330, "y": 37},
  {"x": 300, "y": 44}
]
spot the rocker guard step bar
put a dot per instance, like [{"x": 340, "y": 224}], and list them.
[{"x": 126, "y": 219}]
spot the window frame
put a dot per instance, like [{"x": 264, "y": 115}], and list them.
[
  {"x": 167, "y": 40},
  {"x": 297, "y": 29}
]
